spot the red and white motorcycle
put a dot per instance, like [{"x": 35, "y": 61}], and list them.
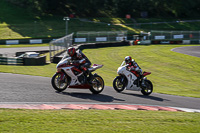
[
  {"x": 128, "y": 80},
  {"x": 68, "y": 75}
]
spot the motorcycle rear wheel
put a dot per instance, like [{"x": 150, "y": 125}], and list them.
[
  {"x": 57, "y": 83},
  {"x": 118, "y": 84},
  {"x": 148, "y": 89},
  {"x": 97, "y": 84}
]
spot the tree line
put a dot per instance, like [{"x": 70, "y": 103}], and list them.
[{"x": 114, "y": 8}]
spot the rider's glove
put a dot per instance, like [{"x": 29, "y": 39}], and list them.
[{"x": 132, "y": 68}]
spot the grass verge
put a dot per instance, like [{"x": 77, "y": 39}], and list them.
[
  {"x": 106, "y": 121},
  {"x": 172, "y": 73}
]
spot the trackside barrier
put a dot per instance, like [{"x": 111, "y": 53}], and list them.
[
  {"x": 99, "y": 36},
  {"x": 3, "y": 61},
  {"x": 23, "y": 61},
  {"x": 186, "y": 41},
  {"x": 175, "y": 37},
  {"x": 166, "y": 42},
  {"x": 34, "y": 61},
  {"x": 60, "y": 45},
  {"x": 11, "y": 61}
]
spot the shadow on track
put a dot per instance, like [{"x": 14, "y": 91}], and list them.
[
  {"x": 147, "y": 97},
  {"x": 95, "y": 97}
]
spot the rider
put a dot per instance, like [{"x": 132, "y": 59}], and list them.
[
  {"x": 79, "y": 57},
  {"x": 134, "y": 68}
]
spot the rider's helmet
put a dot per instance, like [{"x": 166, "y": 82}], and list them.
[
  {"x": 128, "y": 59},
  {"x": 71, "y": 51}
]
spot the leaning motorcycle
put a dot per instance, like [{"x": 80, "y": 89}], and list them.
[
  {"x": 128, "y": 80},
  {"x": 69, "y": 75}
]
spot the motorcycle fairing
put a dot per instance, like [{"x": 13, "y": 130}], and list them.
[
  {"x": 74, "y": 78},
  {"x": 146, "y": 73},
  {"x": 73, "y": 72},
  {"x": 94, "y": 67},
  {"x": 130, "y": 78}
]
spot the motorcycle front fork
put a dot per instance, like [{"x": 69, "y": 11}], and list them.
[
  {"x": 89, "y": 77},
  {"x": 62, "y": 76},
  {"x": 122, "y": 80},
  {"x": 143, "y": 82}
]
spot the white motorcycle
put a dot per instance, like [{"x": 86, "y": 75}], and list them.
[
  {"x": 69, "y": 75},
  {"x": 128, "y": 80}
]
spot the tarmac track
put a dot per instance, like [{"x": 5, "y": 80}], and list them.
[
  {"x": 25, "y": 89},
  {"x": 189, "y": 50},
  {"x": 16, "y": 89},
  {"x": 10, "y": 52}
]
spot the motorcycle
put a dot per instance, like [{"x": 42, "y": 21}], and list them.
[
  {"x": 69, "y": 75},
  {"x": 128, "y": 80}
]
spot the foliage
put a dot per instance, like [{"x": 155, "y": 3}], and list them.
[
  {"x": 118, "y": 8},
  {"x": 17, "y": 22}
]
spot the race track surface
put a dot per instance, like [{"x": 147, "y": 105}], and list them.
[
  {"x": 189, "y": 50},
  {"x": 25, "y": 89},
  {"x": 10, "y": 52}
]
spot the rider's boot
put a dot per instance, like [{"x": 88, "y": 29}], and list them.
[
  {"x": 138, "y": 81},
  {"x": 88, "y": 80}
]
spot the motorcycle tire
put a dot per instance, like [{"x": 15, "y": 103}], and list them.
[
  {"x": 118, "y": 85},
  {"x": 57, "y": 83},
  {"x": 97, "y": 84},
  {"x": 148, "y": 89}
]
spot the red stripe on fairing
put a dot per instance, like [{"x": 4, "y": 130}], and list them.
[
  {"x": 63, "y": 65},
  {"x": 135, "y": 73},
  {"x": 76, "y": 69},
  {"x": 146, "y": 73}
]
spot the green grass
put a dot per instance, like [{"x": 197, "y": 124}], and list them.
[
  {"x": 55, "y": 27},
  {"x": 45, "y": 70},
  {"x": 172, "y": 73},
  {"x": 24, "y": 45},
  {"x": 96, "y": 121},
  {"x": 182, "y": 26},
  {"x": 19, "y": 23}
]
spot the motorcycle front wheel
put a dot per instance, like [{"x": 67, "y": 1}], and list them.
[
  {"x": 97, "y": 84},
  {"x": 119, "y": 83},
  {"x": 148, "y": 89},
  {"x": 58, "y": 83}
]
